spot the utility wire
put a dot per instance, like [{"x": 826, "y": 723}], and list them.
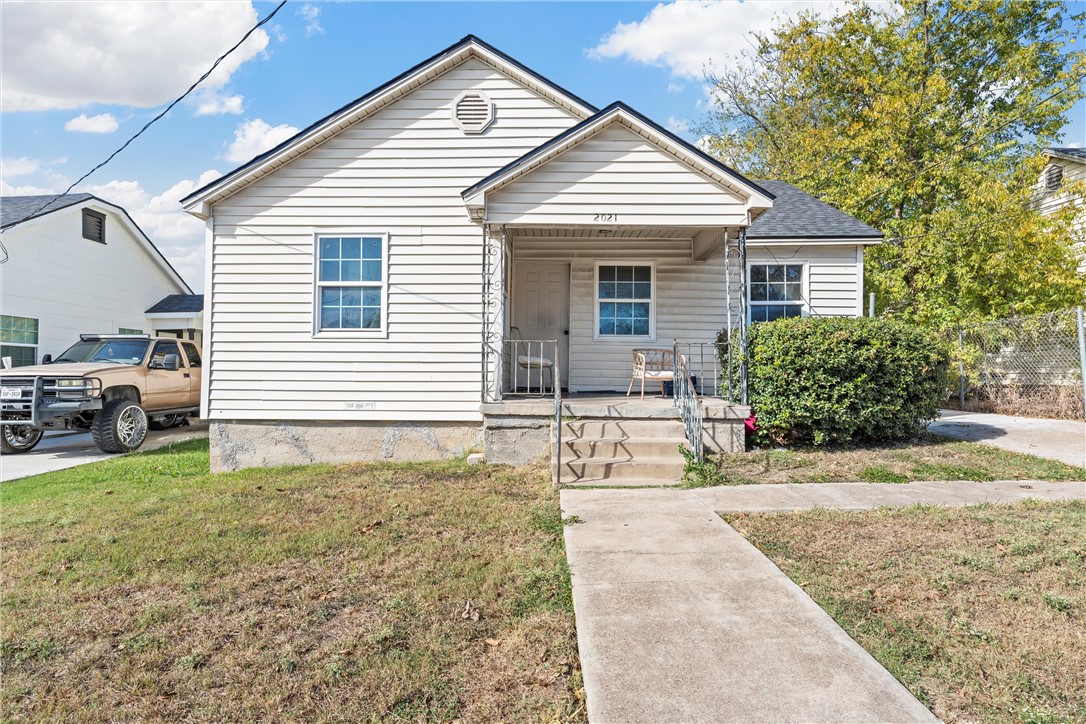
[{"x": 151, "y": 122}]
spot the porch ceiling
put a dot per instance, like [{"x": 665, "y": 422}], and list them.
[{"x": 608, "y": 232}]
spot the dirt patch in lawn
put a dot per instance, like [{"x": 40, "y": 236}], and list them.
[
  {"x": 145, "y": 589},
  {"x": 928, "y": 457},
  {"x": 980, "y": 612}
]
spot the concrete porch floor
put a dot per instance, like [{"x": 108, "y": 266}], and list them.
[{"x": 610, "y": 405}]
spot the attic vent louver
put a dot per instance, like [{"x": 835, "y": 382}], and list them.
[
  {"x": 1054, "y": 177},
  {"x": 472, "y": 112}
]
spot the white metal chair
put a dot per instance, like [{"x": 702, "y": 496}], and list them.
[
  {"x": 655, "y": 365},
  {"x": 527, "y": 359}
]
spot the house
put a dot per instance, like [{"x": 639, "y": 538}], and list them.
[
  {"x": 375, "y": 282},
  {"x": 77, "y": 264},
  {"x": 1065, "y": 166}
]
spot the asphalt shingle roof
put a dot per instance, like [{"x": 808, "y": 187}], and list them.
[
  {"x": 14, "y": 209},
  {"x": 798, "y": 215},
  {"x": 192, "y": 303},
  {"x": 1079, "y": 153}
]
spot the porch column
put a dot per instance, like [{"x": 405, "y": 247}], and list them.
[{"x": 494, "y": 285}]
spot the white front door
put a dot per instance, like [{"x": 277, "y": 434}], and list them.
[{"x": 541, "y": 311}]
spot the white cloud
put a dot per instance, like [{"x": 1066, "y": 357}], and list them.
[
  {"x": 23, "y": 166},
  {"x": 214, "y": 103},
  {"x": 254, "y": 137},
  {"x": 66, "y": 55},
  {"x": 102, "y": 123},
  {"x": 686, "y": 36},
  {"x": 7, "y": 189},
  {"x": 677, "y": 125},
  {"x": 674, "y": 87},
  {"x": 178, "y": 235},
  {"x": 311, "y": 14}
]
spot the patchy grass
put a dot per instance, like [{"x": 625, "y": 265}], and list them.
[
  {"x": 980, "y": 612},
  {"x": 143, "y": 588},
  {"x": 928, "y": 457}
]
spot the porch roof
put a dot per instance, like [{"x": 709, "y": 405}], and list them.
[{"x": 756, "y": 199}]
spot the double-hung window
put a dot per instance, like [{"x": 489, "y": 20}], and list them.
[
  {"x": 351, "y": 283},
  {"x": 19, "y": 339},
  {"x": 776, "y": 290},
  {"x": 624, "y": 300}
]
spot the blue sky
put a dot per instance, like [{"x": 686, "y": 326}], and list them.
[{"x": 312, "y": 59}]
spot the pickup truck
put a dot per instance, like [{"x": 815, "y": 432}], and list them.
[{"x": 116, "y": 386}]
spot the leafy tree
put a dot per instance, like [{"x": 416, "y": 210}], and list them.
[{"x": 926, "y": 119}]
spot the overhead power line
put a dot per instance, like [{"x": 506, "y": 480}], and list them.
[{"x": 154, "y": 120}]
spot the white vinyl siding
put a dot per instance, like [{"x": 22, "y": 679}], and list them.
[
  {"x": 615, "y": 177},
  {"x": 833, "y": 275},
  {"x": 402, "y": 171}
]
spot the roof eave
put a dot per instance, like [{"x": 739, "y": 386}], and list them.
[{"x": 199, "y": 202}]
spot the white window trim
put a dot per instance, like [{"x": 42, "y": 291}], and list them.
[
  {"x": 803, "y": 304},
  {"x": 382, "y": 331},
  {"x": 596, "y": 336}
]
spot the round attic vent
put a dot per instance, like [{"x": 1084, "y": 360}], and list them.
[{"x": 473, "y": 111}]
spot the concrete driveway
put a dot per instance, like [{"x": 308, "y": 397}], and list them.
[
  {"x": 1062, "y": 440},
  {"x": 60, "y": 450}
]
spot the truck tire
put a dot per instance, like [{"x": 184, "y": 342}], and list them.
[
  {"x": 120, "y": 427},
  {"x": 15, "y": 439}
]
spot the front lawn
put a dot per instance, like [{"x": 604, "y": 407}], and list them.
[
  {"x": 143, "y": 588},
  {"x": 928, "y": 457},
  {"x": 980, "y": 611}
]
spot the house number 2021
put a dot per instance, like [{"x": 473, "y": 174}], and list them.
[{"x": 606, "y": 218}]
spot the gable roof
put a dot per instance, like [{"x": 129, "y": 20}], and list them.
[
  {"x": 175, "y": 303},
  {"x": 17, "y": 209},
  {"x": 27, "y": 206},
  {"x": 798, "y": 215},
  {"x": 619, "y": 112},
  {"x": 199, "y": 201},
  {"x": 1071, "y": 154}
]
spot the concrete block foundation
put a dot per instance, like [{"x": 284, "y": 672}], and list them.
[{"x": 238, "y": 444}]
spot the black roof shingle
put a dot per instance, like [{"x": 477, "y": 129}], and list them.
[
  {"x": 189, "y": 303},
  {"x": 16, "y": 209},
  {"x": 1069, "y": 152},
  {"x": 798, "y": 215}
]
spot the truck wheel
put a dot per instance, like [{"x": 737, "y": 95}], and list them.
[
  {"x": 120, "y": 427},
  {"x": 17, "y": 439}
]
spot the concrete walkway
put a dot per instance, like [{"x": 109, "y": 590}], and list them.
[
  {"x": 1062, "y": 440},
  {"x": 680, "y": 619}
]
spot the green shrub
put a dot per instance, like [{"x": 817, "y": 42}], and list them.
[{"x": 841, "y": 380}]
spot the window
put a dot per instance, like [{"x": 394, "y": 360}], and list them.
[
  {"x": 351, "y": 283},
  {"x": 776, "y": 290},
  {"x": 624, "y": 300},
  {"x": 128, "y": 330},
  {"x": 162, "y": 349},
  {"x": 19, "y": 339},
  {"x": 192, "y": 353},
  {"x": 94, "y": 226}
]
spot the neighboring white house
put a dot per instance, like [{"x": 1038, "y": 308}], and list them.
[
  {"x": 79, "y": 265},
  {"x": 1065, "y": 166},
  {"x": 365, "y": 278}
]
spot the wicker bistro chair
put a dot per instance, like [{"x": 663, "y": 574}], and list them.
[
  {"x": 528, "y": 359},
  {"x": 654, "y": 365}
]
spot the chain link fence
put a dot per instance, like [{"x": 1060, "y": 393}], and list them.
[{"x": 1029, "y": 366}]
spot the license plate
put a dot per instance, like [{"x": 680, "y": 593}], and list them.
[{"x": 11, "y": 393}]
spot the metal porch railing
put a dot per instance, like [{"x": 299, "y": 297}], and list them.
[
  {"x": 686, "y": 399},
  {"x": 525, "y": 359}
]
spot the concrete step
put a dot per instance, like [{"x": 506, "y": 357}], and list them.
[
  {"x": 633, "y": 447},
  {"x": 623, "y": 483},
  {"x": 617, "y": 429},
  {"x": 663, "y": 469}
]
